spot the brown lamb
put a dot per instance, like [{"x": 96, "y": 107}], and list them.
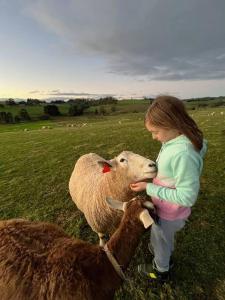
[{"x": 39, "y": 261}]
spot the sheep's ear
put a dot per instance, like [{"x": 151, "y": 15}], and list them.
[
  {"x": 116, "y": 204},
  {"x": 148, "y": 205},
  {"x": 102, "y": 163},
  {"x": 145, "y": 218},
  {"x": 106, "y": 166}
]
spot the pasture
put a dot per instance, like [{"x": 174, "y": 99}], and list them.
[{"x": 35, "y": 167}]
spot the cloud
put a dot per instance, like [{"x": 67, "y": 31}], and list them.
[
  {"x": 148, "y": 39},
  {"x": 66, "y": 94},
  {"x": 75, "y": 94},
  {"x": 53, "y": 94},
  {"x": 34, "y": 92}
]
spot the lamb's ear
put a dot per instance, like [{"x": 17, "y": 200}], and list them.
[
  {"x": 148, "y": 205},
  {"x": 116, "y": 204},
  {"x": 145, "y": 218}
]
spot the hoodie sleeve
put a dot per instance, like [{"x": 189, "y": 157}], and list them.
[{"x": 186, "y": 169}]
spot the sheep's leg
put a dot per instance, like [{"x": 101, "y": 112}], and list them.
[{"x": 102, "y": 239}]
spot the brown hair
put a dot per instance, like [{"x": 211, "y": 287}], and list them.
[{"x": 170, "y": 112}]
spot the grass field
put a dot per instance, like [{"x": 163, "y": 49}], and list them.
[{"x": 35, "y": 167}]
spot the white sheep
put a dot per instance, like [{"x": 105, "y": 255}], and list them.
[{"x": 94, "y": 178}]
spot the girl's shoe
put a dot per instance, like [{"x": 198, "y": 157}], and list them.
[{"x": 151, "y": 272}]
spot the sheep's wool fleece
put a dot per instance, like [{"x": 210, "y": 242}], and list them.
[{"x": 89, "y": 183}]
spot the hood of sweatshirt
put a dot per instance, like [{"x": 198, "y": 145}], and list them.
[{"x": 182, "y": 139}]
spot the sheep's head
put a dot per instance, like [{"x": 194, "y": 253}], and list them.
[
  {"x": 134, "y": 166},
  {"x": 137, "y": 207}
]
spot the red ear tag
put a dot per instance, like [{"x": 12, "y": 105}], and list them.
[{"x": 106, "y": 169}]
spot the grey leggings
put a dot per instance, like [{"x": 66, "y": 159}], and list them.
[{"x": 162, "y": 241}]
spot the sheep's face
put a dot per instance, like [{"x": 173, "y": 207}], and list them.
[{"x": 137, "y": 167}]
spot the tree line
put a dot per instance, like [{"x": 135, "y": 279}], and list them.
[
  {"x": 86, "y": 101},
  {"x": 76, "y": 108}
]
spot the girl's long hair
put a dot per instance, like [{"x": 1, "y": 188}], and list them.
[{"x": 169, "y": 112}]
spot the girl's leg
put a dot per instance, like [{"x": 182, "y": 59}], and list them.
[{"x": 162, "y": 241}]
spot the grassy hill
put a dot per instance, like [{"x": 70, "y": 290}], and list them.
[{"x": 35, "y": 167}]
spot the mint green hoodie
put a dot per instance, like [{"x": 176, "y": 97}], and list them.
[{"x": 176, "y": 187}]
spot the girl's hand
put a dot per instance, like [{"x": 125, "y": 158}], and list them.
[{"x": 138, "y": 186}]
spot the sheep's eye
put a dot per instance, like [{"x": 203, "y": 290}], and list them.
[{"x": 122, "y": 159}]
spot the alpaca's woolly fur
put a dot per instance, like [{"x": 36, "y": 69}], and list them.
[
  {"x": 39, "y": 261},
  {"x": 89, "y": 186}
]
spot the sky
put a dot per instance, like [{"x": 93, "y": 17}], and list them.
[{"x": 123, "y": 48}]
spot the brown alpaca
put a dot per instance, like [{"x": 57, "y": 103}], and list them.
[{"x": 39, "y": 261}]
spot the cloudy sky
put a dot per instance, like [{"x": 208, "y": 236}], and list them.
[{"x": 126, "y": 48}]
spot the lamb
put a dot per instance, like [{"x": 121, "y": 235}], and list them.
[
  {"x": 94, "y": 178},
  {"x": 39, "y": 261}
]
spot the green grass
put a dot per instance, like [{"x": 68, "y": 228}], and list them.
[{"x": 35, "y": 167}]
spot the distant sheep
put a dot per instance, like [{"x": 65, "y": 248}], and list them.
[
  {"x": 39, "y": 261},
  {"x": 94, "y": 178}
]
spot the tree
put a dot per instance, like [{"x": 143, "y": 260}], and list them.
[
  {"x": 6, "y": 117},
  {"x": 102, "y": 110},
  {"x": 51, "y": 110},
  {"x": 24, "y": 115},
  {"x": 113, "y": 108},
  {"x": 17, "y": 119},
  {"x": 10, "y": 101},
  {"x": 9, "y": 117},
  {"x": 2, "y": 117},
  {"x": 31, "y": 101},
  {"x": 77, "y": 109}
]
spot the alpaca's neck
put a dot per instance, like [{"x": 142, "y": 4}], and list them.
[{"x": 124, "y": 241}]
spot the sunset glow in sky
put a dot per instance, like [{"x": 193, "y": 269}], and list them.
[{"x": 129, "y": 48}]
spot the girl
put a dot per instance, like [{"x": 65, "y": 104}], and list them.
[{"x": 175, "y": 189}]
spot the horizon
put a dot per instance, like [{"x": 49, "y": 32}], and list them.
[{"x": 64, "y": 99}]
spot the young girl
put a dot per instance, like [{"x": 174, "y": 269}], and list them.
[{"x": 175, "y": 189}]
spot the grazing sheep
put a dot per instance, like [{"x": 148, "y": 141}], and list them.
[
  {"x": 94, "y": 178},
  {"x": 39, "y": 261}
]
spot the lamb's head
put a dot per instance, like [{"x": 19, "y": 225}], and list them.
[
  {"x": 135, "y": 208},
  {"x": 134, "y": 166}
]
